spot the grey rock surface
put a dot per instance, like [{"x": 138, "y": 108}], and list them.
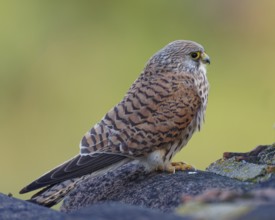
[
  {"x": 15, "y": 209},
  {"x": 130, "y": 184},
  {"x": 239, "y": 170},
  {"x": 270, "y": 183},
  {"x": 131, "y": 193},
  {"x": 117, "y": 211},
  {"x": 262, "y": 212},
  {"x": 219, "y": 204}
]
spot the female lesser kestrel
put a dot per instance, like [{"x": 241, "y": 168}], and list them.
[{"x": 155, "y": 119}]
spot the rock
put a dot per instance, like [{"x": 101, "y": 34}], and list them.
[
  {"x": 255, "y": 166},
  {"x": 259, "y": 196},
  {"x": 228, "y": 211},
  {"x": 131, "y": 184},
  {"x": 239, "y": 170},
  {"x": 262, "y": 212},
  {"x": 15, "y": 209},
  {"x": 117, "y": 211},
  {"x": 245, "y": 189},
  {"x": 252, "y": 202},
  {"x": 262, "y": 154},
  {"x": 230, "y": 205},
  {"x": 270, "y": 183}
]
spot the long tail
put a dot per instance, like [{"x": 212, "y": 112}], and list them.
[
  {"x": 53, "y": 194},
  {"x": 60, "y": 181}
]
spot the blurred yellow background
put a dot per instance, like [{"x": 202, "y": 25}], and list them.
[{"x": 64, "y": 64}]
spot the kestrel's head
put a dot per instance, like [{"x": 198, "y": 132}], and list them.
[{"x": 182, "y": 55}]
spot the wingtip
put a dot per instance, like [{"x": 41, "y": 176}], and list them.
[
  {"x": 24, "y": 190},
  {"x": 31, "y": 187}
]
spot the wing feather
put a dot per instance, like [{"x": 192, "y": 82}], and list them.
[
  {"x": 152, "y": 114},
  {"x": 76, "y": 167}
]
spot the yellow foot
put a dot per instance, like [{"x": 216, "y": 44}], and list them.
[
  {"x": 183, "y": 166},
  {"x": 175, "y": 166}
]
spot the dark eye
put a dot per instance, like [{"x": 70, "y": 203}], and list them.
[{"x": 195, "y": 55}]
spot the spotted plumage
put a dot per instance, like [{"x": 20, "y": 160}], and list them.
[{"x": 155, "y": 119}]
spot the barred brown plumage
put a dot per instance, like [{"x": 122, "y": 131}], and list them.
[{"x": 155, "y": 119}]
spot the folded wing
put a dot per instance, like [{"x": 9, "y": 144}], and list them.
[{"x": 76, "y": 167}]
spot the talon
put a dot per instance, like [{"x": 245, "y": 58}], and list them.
[
  {"x": 183, "y": 166},
  {"x": 175, "y": 166}
]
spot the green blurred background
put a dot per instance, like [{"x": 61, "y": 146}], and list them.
[{"x": 64, "y": 64}]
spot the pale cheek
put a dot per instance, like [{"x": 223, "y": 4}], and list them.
[
  {"x": 188, "y": 66},
  {"x": 202, "y": 69}
]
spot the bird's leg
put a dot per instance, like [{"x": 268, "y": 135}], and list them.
[{"x": 176, "y": 166}]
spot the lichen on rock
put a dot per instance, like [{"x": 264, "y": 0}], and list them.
[{"x": 257, "y": 165}]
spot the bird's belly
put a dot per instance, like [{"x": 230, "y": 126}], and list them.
[
  {"x": 186, "y": 135},
  {"x": 162, "y": 157}
]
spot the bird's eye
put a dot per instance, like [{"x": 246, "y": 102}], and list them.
[{"x": 195, "y": 55}]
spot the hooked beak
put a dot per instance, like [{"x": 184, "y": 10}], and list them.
[{"x": 205, "y": 58}]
